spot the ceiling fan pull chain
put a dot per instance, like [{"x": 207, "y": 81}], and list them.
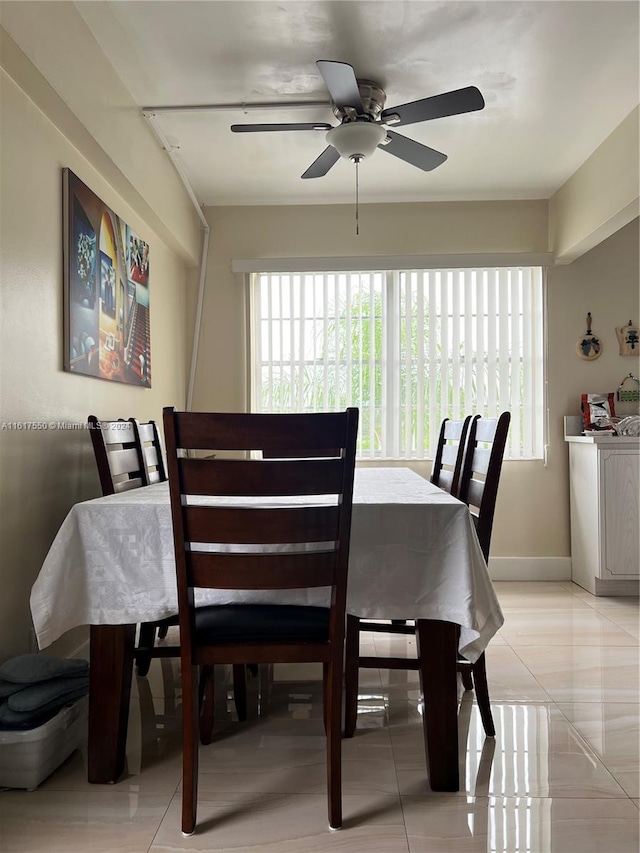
[{"x": 357, "y": 202}]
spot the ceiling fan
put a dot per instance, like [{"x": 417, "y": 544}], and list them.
[{"x": 359, "y": 104}]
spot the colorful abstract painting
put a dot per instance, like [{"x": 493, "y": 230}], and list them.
[{"x": 106, "y": 269}]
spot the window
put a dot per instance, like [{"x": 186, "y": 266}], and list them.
[{"x": 408, "y": 347}]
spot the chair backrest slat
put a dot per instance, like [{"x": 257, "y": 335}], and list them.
[
  {"x": 127, "y": 485},
  {"x": 151, "y": 455},
  {"x": 261, "y": 526},
  {"x": 124, "y": 460},
  {"x": 117, "y": 432},
  {"x": 481, "y": 460},
  {"x": 291, "y": 454},
  {"x": 237, "y": 477},
  {"x": 481, "y": 472},
  {"x": 445, "y": 480},
  {"x": 475, "y": 491},
  {"x": 280, "y": 570},
  {"x": 146, "y": 431},
  {"x": 278, "y": 439},
  {"x": 449, "y": 454}
]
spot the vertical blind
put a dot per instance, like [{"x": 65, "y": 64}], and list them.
[{"x": 408, "y": 347}]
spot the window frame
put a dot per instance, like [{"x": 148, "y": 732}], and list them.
[{"x": 395, "y": 265}]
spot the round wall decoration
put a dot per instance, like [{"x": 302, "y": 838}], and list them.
[{"x": 589, "y": 347}]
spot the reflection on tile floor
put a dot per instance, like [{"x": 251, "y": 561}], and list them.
[{"x": 561, "y": 775}]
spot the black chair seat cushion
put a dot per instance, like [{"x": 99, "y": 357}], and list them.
[{"x": 261, "y": 623}]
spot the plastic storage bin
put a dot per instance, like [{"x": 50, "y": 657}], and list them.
[{"x": 28, "y": 757}]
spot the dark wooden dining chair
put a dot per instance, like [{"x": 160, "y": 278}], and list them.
[
  {"x": 478, "y": 488},
  {"x": 447, "y": 463},
  {"x": 118, "y": 455},
  {"x": 479, "y": 483},
  {"x": 150, "y": 444},
  {"x": 300, "y": 541},
  {"x": 129, "y": 456}
]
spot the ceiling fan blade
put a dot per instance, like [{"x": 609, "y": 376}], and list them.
[
  {"x": 448, "y": 104},
  {"x": 259, "y": 128},
  {"x": 413, "y": 152},
  {"x": 340, "y": 80},
  {"x": 323, "y": 163}
]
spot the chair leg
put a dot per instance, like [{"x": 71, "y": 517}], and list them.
[
  {"x": 190, "y": 739},
  {"x": 240, "y": 690},
  {"x": 333, "y": 703},
  {"x": 326, "y": 711},
  {"x": 206, "y": 699},
  {"x": 206, "y": 704},
  {"x": 146, "y": 639},
  {"x": 162, "y": 632},
  {"x": 465, "y": 672},
  {"x": 352, "y": 659},
  {"x": 482, "y": 695}
]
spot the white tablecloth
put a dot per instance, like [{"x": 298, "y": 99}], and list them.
[{"x": 414, "y": 554}]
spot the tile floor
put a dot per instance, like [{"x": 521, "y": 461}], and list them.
[{"x": 561, "y": 775}]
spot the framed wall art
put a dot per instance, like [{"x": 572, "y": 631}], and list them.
[{"x": 106, "y": 290}]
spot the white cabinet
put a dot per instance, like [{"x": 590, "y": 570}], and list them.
[{"x": 604, "y": 474}]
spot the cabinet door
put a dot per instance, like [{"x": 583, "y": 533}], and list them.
[{"x": 621, "y": 475}]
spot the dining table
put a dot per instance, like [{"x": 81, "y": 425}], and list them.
[{"x": 414, "y": 555}]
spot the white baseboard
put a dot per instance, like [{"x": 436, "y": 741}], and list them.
[{"x": 530, "y": 568}]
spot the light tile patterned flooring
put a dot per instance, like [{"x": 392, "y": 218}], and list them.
[{"x": 561, "y": 775}]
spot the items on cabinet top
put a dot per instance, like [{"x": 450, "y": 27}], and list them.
[
  {"x": 574, "y": 431},
  {"x": 598, "y": 411}
]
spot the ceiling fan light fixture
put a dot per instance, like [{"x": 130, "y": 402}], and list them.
[{"x": 356, "y": 140}]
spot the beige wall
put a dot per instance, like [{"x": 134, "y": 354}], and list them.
[
  {"x": 329, "y": 230},
  {"x": 532, "y": 519},
  {"x": 601, "y": 197},
  {"x": 96, "y": 113},
  {"x": 604, "y": 281},
  {"x": 42, "y": 473}
]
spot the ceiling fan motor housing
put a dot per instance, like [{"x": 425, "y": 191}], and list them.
[
  {"x": 359, "y": 136},
  {"x": 373, "y": 100}
]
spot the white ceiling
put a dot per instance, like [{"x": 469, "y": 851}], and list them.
[{"x": 557, "y": 78}]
